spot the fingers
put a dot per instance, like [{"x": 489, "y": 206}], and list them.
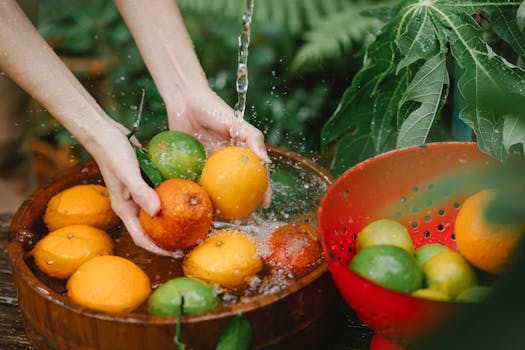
[
  {"x": 128, "y": 211},
  {"x": 254, "y": 139},
  {"x": 267, "y": 198},
  {"x": 145, "y": 197}
]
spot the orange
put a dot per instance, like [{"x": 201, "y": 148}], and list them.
[
  {"x": 295, "y": 247},
  {"x": 81, "y": 204},
  {"x": 184, "y": 218},
  {"x": 228, "y": 259},
  {"x": 109, "y": 283},
  {"x": 485, "y": 245},
  {"x": 62, "y": 251},
  {"x": 236, "y": 180}
]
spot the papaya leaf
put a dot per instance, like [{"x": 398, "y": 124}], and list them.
[
  {"x": 366, "y": 122},
  {"x": 513, "y": 132},
  {"x": 520, "y": 16},
  {"x": 502, "y": 16},
  {"x": 483, "y": 71},
  {"x": 419, "y": 40},
  {"x": 345, "y": 154},
  {"x": 237, "y": 335},
  {"x": 356, "y": 107},
  {"x": 428, "y": 87}
]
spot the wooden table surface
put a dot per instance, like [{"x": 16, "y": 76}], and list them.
[{"x": 350, "y": 334}]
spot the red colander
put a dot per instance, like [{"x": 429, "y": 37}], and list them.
[{"x": 422, "y": 188}]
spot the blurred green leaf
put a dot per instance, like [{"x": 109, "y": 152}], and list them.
[
  {"x": 521, "y": 16},
  {"x": 237, "y": 335}
]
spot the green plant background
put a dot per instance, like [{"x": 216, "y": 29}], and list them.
[{"x": 297, "y": 68}]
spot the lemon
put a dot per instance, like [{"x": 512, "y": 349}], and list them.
[
  {"x": 449, "y": 272},
  {"x": 177, "y": 155},
  {"x": 431, "y": 294},
  {"x": 198, "y": 297},
  {"x": 427, "y": 251},
  {"x": 389, "y": 266},
  {"x": 385, "y": 231},
  {"x": 228, "y": 259}
]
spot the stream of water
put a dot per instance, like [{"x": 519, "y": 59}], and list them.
[{"x": 242, "y": 68}]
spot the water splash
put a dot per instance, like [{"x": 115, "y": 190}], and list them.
[{"x": 242, "y": 70}]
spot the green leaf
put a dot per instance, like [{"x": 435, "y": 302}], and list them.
[
  {"x": 332, "y": 37},
  {"x": 351, "y": 150},
  {"x": 356, "y": 107},
  {"x": 420, "y": 39},
  {"x": 149, "y": 170},
  {"x": 237, "y": 335},
  {"x": 513, "y": 132},
  {"x": 368, "y": 119},
  {"x": 428, "y": 87},
  {"x": 520, "y": 16},
  {"x": 501, "y": 15},
  {"x": 178, "y": 333},
  {"x": 483, "y": 71}
]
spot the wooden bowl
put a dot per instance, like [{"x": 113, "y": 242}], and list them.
[{"x": 297, "y": 316}]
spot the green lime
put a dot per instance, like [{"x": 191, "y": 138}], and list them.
[
  {"x": 427, "y": 251},
  {"x": 177, "y": 155},
  {"x": 431, "y": 294},
  {"x": 198, "y": 297},
  {"x": 288, "y": 195},
  {"x": 474, "y": 294},
  {"x": 385, "y": 231},
  {"x": 449, "y": 272},
  {"x": 389, "y": 266}
]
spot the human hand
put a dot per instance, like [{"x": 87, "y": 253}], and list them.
[
  {"x": 206, "y": 116},
  {"x": 128, "y": 191}
]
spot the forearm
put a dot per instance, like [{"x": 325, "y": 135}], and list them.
[
  {"x": 166, "y": 46},
  {"x": 29, "y": 61}
]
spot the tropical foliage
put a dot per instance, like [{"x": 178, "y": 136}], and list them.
[{"x": 424, "y": 50}]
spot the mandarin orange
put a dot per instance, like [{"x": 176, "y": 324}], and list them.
[
  {"x": 236, "y": 180},
  {"x": 484, "y": 244},
  {"x": 184, "y": 218},
  {"x": 62, "y": 251},
  {"x": 228, "y": 259},
  {"x": 88, "y": 204},
  {"x": 109, "y": 283},
  {"x": 296, "y": 247}
]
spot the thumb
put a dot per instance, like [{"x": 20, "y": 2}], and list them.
[{"x": 146, "y": 198}]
